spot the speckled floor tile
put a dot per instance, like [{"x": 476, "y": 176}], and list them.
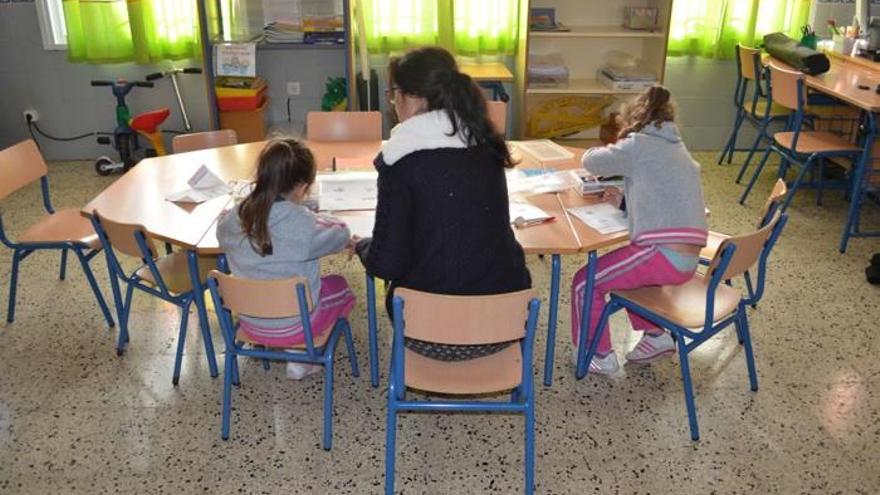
[{"x": 75, "y": 418}]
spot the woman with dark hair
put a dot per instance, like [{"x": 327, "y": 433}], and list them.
[{"x": 442, "y": 221}]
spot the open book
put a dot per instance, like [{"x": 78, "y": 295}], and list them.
[{"x": 203, "y": 185}]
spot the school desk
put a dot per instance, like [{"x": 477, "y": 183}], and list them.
[{"x": 139, "y": 197}]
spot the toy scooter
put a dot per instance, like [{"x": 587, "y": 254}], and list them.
[
  {"x": 172, "y": 74},
  {"x": 125, "y": 139}
]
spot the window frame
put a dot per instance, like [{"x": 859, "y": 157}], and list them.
[{"x": 50, "y": 14}]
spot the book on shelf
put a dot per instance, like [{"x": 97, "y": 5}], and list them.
[
  {"x": 624, "y": 85},
  {"x": 280, "y": 32}
]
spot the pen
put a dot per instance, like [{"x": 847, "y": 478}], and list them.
[{"x": 521, "y": 223}]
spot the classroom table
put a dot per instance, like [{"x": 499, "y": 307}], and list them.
[
  {"x": 842, "y": 82},
  {"x": 139, "y": 197}
]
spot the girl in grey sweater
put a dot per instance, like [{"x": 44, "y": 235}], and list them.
[
  {"x": 271, "y": 235},
  {"x": 667, "y": 221}
]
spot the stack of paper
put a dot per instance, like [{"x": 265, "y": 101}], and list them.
[
  {"x": 545, "y": 150},
  {"x": 348, "y": 191},
  {"x": 523, "y": 213},
  {"x": 279, "y": 32},
  {"x": 204, "y": 185},
  {"x": 601, "y": 217},
  {"x": 539, "y": 184}
]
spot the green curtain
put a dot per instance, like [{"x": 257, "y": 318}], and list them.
[
  {"x": 712, "y": 28},
  {"x": 142, "y": 31},
  {"x": 485, "y": 27},
  {"x": 478, "y": 27}
]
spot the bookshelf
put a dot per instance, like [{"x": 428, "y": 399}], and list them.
[{"x": 595, "y": 31}]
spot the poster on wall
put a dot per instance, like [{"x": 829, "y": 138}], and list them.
[{"x": 235, "y": 59}]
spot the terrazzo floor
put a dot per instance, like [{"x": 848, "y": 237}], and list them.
[{"x": 75, "y": 418}]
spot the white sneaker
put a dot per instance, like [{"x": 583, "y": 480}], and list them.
[
  {"x": 607, "y": 365},
  {"x": 298, "y": 371},
  {"x": 651, "y": 347}
]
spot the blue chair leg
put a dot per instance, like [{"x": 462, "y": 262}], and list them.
[
  {"x": 745, "y": 194},
  {"x": 730, "y": 146},
  {"x": 120, "y": 313},
  {"x": 529, "y": 462},
  {"x": 390, "y": 440},
  {"x": 227, "y": 395},
  {"x": 87, "y": 269},
  {"x": 555, "y": 274},
  {"x": 807, "y": 166},
  {"x": 515, "y": 395},
  {"x": 688, "y": 388},
  {"x": 349, "y": 345},
  {"x": 372, "y": 331},
  {"x": 236, "y": 380},
  {"x": 750, "y": 289},
  {"x": 820, "y": 179},
  {"x": 13, "y": 285},
  {"x": 199, "y": 297},
  {"x": 265, "y": 362},
  {"x": 62, "y": 271},
  {"x": 747, "y": 346},
  {"x": 762, "y": 129},
  {"x": 585, "y": 356},
  {"x": 328, "y": 390},
  {"x": 855, "y": 201},
  {"x": 181, "y": 341},
  {"x": 123, "y": 321}
]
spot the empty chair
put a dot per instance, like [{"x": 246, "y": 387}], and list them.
[
  {"x": 700, "y": 308},
  {"x": 344, "y": 126},
  {"x": 203, "y": 140},
  {"x": 280, "y": 298},
  {"x": 463, "y": 320},
  {"x": 58, "y": 230},
  {"x": 797, "y": 147},
  {"x": 498, "y": 115},
  {"x": 166, "y": 277}
]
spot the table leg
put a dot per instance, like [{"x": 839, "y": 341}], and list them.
[
  {"x": 199, "y": 297},
  {"x": 581, "y": 369},
  {"x": 372, "y": 331},
  {"x": 555, "y": 274}
]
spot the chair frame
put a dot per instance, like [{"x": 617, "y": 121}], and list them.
[
  {"x": 522, "y": 398},
  {"x": 687, "y": 339},
  {"x": 123, "y": 307},
  {"x": 21, "y": 250},
  {"x": 803, "y": 161},
  {"x": 312, "y": 354},
  {"x": 761, "y": 122},
  {"x": 861, "y": 186}
]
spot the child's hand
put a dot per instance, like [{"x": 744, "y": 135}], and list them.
[
  {"x": 613, "y": 196},
  {"x": 351, "y": 244}
]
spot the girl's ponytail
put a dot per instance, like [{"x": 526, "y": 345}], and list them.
[{"x": 654, "y": 106}]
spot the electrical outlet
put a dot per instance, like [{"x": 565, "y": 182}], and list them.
[
  {"x": 31, "y": 115},
  {"x": 293, "y": 88}
]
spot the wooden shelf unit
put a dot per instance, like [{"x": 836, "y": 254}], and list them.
[{"x": 595, "y": 30}]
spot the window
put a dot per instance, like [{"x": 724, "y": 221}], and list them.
[{"x": 51, "y": 16}]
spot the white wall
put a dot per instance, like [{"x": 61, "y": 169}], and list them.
[{"x": 31, "y": 77}]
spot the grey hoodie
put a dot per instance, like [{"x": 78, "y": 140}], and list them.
[
  {"x": 664, "y": 199},
  {"x": 299, "y": 239}
]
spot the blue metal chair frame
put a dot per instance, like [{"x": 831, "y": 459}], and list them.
[
  {"x": 861, "y": 186},
  {"x": 21, "y": 250},
  {"x": 687, "y": 339},
  {"x": 133, "y": 281},
  {"x": 522, "y": 398},
  {"x": 313, "y": 354},
  {"x": 804, "y": 162}
]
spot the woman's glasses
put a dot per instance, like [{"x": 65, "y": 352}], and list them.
[{"x": 389, "y": 94}]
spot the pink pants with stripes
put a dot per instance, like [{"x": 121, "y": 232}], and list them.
[
  {"x": 336, "y": 301},
  {"x": 629, "y": 267}
]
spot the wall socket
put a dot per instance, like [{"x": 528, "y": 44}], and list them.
[
  {"x": 293, "y": 88},
  {"x": 31, "y": 115}
]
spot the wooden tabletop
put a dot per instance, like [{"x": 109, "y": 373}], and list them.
[
  {"x": 842, "y": 81},
  {"x": 139, "y": 197},
  {"x": 490, "y": 71}
]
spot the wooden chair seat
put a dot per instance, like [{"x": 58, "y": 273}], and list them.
[
  {"x": 684, "y": 305},
  {"x": 493, "y": 373},
  {"x": 712, "y": 243},
  {"x": 66, "y": 225},
  {"x": 815, "y": 142},
  {"x": 319, "y": 341},
  {"x": 175, "y": 272}
]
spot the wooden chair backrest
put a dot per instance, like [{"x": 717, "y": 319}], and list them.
[
  {"x": 465, "y": 320},
  {"x": 261, "y": 298},
  {"x": 344, "y": 126},
  {"x": 748, "y": 249},
  {"x": 20, "y": 164},
  {"x": 780, "y": 189},
  {"x": 121, "y": 236},
  {"x": 784, "y": 86},
  {"x": 497, "y": 111},
  {"x": 747, "y": 61},
  {"x": 204, "y": 140}
]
